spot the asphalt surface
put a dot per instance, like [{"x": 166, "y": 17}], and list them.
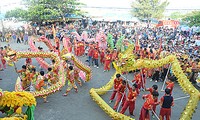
[{"x": 80, "y": 106}]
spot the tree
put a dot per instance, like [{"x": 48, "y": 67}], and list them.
[
  {"x": 42, "y": 10},
  {"x": 176, "y": 15},
  {"x": 193, "y": 18},
  {"x": 16, "y": 13},
  {"x": 145, "y": 9}
]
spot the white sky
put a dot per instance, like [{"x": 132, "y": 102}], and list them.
[
  {"x": 174, "y": 4},
  {"x": 9, "y": 4}
]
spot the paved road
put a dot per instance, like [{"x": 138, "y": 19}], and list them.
[{"x": 79, "y": 106}]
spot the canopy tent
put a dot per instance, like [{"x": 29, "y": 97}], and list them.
[
  {"x": 72, "y": 16},
  {"x": 132, "y": 19},
  {"x": 1, "y": 16},
  {"x": 196, "y": 29},
  {"x": 115, "y": 19},
  {"x": 184, "y": 28},
  {"x": 154, "y": 21}
]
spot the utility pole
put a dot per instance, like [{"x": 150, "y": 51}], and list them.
[{"x": 2, "y": 26}]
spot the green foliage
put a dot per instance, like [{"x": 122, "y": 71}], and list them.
[
  {"x": 148, "y": 8},
  {"x": 42, "y": 10},
  {"x": 17, "y": 13},
  {"x": 193, "y": 18},
  {"x": 176, "y": 15}
]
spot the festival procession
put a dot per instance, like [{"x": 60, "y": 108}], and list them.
[{"x": 91, "y": 60}]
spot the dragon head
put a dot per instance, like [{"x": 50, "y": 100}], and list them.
[
  {"x": 12, "y": 55},
  {"x": 67, "y": 56}
]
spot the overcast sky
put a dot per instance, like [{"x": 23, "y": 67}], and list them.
[
  {"x": 174, "y": 4},
  {"x": 179, "y": 4}
]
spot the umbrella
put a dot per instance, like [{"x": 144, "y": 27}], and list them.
[{"x": 185, "y": 28}]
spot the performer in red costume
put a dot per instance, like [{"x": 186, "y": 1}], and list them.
[
  {"x": 96, "y": 45},
  {"x": 28, "y": 61},
  {"x": 138, "y": 80},
  {"x": 117, "y": 82},
  {"x": 78, "y": 48},
  {"x": 71, "y": 81},
  {"x": 130, "y": 100},
  {"x": 76, "y": 76},
  {"x": 144, "y": 76},
  {"x": 102, "y": 55},
  {"x": 156, "y": 102},
  {"x": 170, "y": 84},
  {"x": 107, "y": 61},
  {"x": 82, "y": 47},
  {"x": 114, "y": 55},
  {"x": 121, "y": 95},
  {"x": 148, "y": 104},
  {"x": 95, "y": 57},
  {"x": 153, "y": 88},
  {"x": 90, "y": 54},
  {"x": 24, "y": 76}
]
